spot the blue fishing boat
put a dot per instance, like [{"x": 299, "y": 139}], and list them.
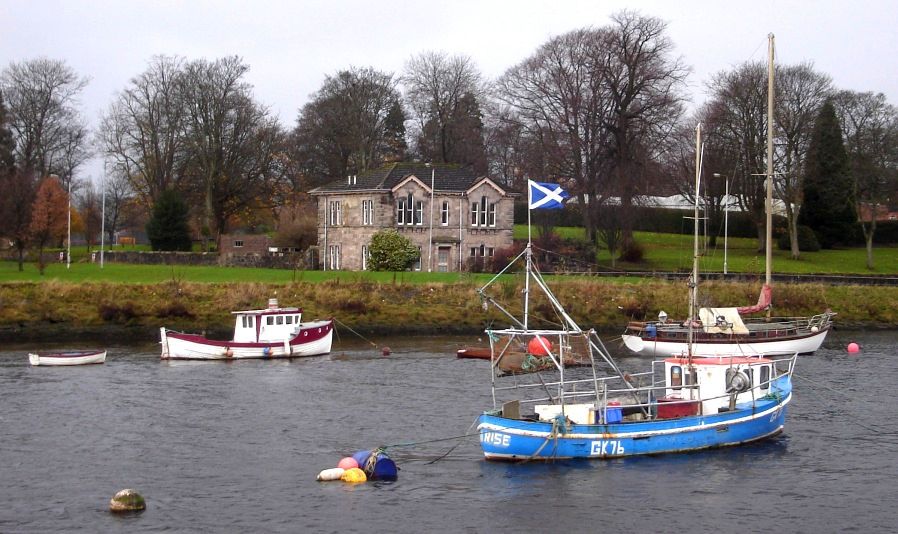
[{"x": 558, "y": 393}]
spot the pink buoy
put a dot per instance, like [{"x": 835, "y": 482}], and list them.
[
  {"x": 853, "y": 348},
  {"x": 348, "y": 463},
  {"x": 539, "y": 346}
]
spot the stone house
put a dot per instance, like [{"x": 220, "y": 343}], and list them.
[{"x": 456, "y": 218}]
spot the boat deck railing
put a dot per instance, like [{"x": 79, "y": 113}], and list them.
[{"x": 634, "y": 397}]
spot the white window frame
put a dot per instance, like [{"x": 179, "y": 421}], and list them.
[
  {"x": 334, "y": 257},
  {"x": 444, "y": 213},
  {"x": 475, "y": 213},
  {"x": 335, "y": 208},
  {"x": 400, "y": 212},
  {"x": 367, "y": 212},
  {"x": 364, "y": 257},
  {"x": 491, "y": 215}
]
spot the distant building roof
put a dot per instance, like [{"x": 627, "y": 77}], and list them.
[{"x": 446, "y": 177}]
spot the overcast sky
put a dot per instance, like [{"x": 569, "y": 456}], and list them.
[{"x": 291, "y": 45}]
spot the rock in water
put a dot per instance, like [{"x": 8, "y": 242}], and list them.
[{"x": 127, "y": 500}]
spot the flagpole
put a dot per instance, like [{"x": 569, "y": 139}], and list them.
[
  {"x": 528, "y": 265},
  {"x": 68, "y": 252}
]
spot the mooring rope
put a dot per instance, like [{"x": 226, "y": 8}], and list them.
[
  {"x": 346, "y": 326},
  {"x": 824, "y": 386}
]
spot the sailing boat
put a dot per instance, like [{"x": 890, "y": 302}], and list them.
[
  {"x": 550, "y": 401},
  {"x": 724, "y": 330}
]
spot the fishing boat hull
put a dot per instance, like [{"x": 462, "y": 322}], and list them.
[
  {"x": 516, "y": 440},
  {"x": 311, "y": 339},
  {"x": 723, "y": 345},
  {"x": 68, "y": 358}
]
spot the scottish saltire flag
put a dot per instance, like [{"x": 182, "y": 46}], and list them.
[{"x": 546, "y": 196}]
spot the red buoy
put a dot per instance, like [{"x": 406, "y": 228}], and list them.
[
  {"x": 853, "y": 348},
  {"x": 385, "y": 351},
  {"x": 539, "y": 346}
]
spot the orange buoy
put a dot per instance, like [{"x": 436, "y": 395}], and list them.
[
  {"x": 539, "y": 346},
  {"x": 853, "y": 348}
]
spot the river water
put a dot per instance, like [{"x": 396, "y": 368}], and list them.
[{"x": 236, "y": 446}]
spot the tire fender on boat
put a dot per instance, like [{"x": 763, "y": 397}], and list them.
[{"x": 228, "y": 352}]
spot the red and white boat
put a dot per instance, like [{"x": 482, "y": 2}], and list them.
[
  {"x": 78, "y": 357},
  {"x": 273, "y": 332}
]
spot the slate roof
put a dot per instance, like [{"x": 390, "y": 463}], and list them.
[{"x": 447, "y": 177}]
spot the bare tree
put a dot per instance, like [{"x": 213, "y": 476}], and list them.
[
  {"x": 870, "y": 127},
  {"x": 737, "y": 115},
  {"x": 88, "y": 202},
  {"x": 119, "y": 198},
  {"x": 354, "y": 123},
  {"x": 643, "y": 83},
  {"x": 231, "y": 141},
  {"x": 444, "y": 96},
  {"x": 142, "y": 133},
  {"x": 555, "y": 99},
  {"x": 800, "y": 91},
  {"x": 51, "y": 135}
]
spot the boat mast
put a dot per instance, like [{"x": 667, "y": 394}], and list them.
[
  {"x": 768, "y": 205},
  {"x": 693, "y": 284}
]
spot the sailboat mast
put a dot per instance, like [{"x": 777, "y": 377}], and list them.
[
  {"x": 768, "y": 205},
  {"x": 693, "y": 290}
]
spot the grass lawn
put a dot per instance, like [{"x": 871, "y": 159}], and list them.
[
  {"x": 673, "y": 252},
  {"x": 663, "y": 252}
]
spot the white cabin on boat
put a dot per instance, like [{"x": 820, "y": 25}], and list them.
[
  {"x": 716, "y": 378},
  {"x": 271, "y": 324}
]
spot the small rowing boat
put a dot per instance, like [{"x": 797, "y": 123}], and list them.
[{"x": 78, "y": 357}]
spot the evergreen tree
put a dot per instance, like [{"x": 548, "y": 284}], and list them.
[
  {"x": 829, "y": 204},
  {"x": 168, "y": 228}
]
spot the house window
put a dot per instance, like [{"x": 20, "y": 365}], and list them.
[
  {"x": 364, "y": 257},
  {"x": 409, "y": 209},
  {"x": 400, "y": 211},
  {"x": 333, "y": 252},
  {"x": 417, "y": 265},
  {"x": 419, "y": 213},
  {"x": 238, "y": 243},
  {"x": 483, "y": 213},
  {"x": 489, "y": 252},
  {"x": 444, "y": 213},
  {"x": 367, "y": 212},
  {"x": 335, "y": 216}
]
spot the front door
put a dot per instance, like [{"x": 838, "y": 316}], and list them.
[{"x": 443, "y": 259}]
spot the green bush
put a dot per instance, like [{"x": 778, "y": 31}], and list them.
[
  {"x": 390, "y": 251},
  {"x": 807, "y": 241}
]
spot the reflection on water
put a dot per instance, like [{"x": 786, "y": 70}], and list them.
[{"x": 235, "y": 446}]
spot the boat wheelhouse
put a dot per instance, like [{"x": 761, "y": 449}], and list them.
[{"x": 272, "y": 332}]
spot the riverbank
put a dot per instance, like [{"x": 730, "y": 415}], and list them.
[{"x": 54, "y": 310}]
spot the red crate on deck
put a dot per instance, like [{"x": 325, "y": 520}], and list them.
[{"x": 673, "y": 407}]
